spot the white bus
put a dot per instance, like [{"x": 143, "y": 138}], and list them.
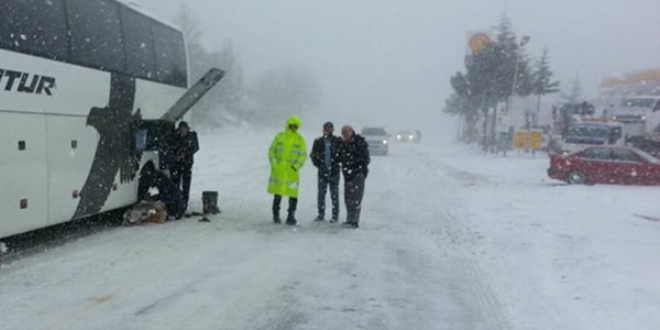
[{"x": 76, "y": 77}]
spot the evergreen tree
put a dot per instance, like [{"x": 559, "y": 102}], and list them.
[
  {"x": 489, "y": 78},
  {"x": 574, "y": 93},
  {"x": 542, "y": 79},
  {"x": 525, "y": 81}
]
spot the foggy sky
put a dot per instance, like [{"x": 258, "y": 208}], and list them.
[{"x": 389, "y": 61}]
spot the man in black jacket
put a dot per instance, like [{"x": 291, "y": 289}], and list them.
[
  {"x": 325, "y": 156},
  {"x": 355, "y": 161},
  {"x": 168, "y": 193},
  {"x": 185, "y": 146}
]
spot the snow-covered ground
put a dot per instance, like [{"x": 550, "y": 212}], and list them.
[{"x": 451, "y": 239}]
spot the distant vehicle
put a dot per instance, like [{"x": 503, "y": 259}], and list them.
[
  {"x": 378, "y": 140},
  {"x": 407, "y": 137},
  {"x": 606, "y": 165},
  {"x": 639, "y": 116},
  {"x": 584, "y": 135}
]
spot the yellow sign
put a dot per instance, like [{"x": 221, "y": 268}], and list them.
[
  {"x": 528, "y": 140},
  {"x": 478, "y": 42}
]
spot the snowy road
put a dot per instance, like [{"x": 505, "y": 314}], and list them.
[{"x": 446, "y": 243}]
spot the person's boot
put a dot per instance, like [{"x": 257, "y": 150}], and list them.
[
  {"x": 349, "y": 220},
  {"x": 293, "y": 206},
  {"x": 291, "y": 219},
  {"x": 352, "y": 219},
  {"x": 276, "y": 211},
  {"x": 335, "y": 216},
  {"x": 356, "y": 219},
  {"x": 320, "y": 218}
]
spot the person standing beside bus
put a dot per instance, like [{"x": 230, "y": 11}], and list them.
[
  {"x": 287, "y": 155},
  {"x": 185, "y": 146}
]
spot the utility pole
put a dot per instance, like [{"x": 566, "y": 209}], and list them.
[{"x": 524, "y": 41}]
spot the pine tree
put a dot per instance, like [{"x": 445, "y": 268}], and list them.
[
  {"x": 525, "y": 81},
  {"x": 574, "y": 94},
  {"x": 542, "y": 82},
  {"x": 489, "y": 78},
  {"x": 509, "y": 58}
]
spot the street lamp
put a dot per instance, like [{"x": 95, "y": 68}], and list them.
[{"x": 525, "y": 40}]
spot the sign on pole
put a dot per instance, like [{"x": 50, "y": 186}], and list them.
[{"x": 478, "y": 42}]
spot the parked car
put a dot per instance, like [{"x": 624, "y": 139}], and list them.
[
  {"x": 378, "y": 140},
  {"x": 606, "y": 165}
]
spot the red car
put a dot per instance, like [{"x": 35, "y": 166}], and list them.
[{"x": 607, "y": 165}]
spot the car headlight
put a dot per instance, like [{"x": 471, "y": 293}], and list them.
[
  {"x": 643, "y": 118},
  {"x": 411, "y": 137},
  {"x": 384, "y": 141}
]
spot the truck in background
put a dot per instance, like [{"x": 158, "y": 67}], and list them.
[{"x": 638, "y": 115}]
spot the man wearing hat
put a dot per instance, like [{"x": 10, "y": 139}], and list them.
[
  {"x": 185, "y": 146},
  {"x": 326, "y": 154}
]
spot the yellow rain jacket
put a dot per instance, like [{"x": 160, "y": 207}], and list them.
[{"x": 287, "y": 154}]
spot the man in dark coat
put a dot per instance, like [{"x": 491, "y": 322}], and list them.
[
  {"x": 168, "y": 192},
  {"x": 355, "y": 161},
  {"x": 326, "y": 156},
  {"x": 185, "y": 146}
]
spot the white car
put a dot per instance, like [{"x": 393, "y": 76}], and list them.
[{"x": 378, "y": 140}]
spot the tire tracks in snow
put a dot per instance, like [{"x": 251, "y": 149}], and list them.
[{"x": 450, "y": 232}]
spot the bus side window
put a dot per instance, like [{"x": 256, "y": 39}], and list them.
[
  {"x": 35, "y": 27},
  {"x": 139, "y": 43},
  {"x": 96, "y": 37},
  {"x": 171, "y": 65}
]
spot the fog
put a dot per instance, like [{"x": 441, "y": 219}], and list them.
[{"x": 389, "y": 61}]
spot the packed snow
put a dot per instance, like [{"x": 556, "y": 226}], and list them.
[{"x": 450, "y": 239}]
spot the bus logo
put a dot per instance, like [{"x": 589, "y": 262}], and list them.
[{"x": 23, "y": 82}]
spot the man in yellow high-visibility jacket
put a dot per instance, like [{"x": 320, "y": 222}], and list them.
[{"x": 287, "y": 155}]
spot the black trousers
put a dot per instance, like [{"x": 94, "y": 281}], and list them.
[
  {"x": 328, "y": 180},
  {"x": 174, "y": 205},
  {"x": 182, "y": 178},
  {"x": 353, "y": 195},
  {"x": 277, "y": 202}
]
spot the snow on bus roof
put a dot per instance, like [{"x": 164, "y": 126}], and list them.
[{"x": 141, "y": 10}]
